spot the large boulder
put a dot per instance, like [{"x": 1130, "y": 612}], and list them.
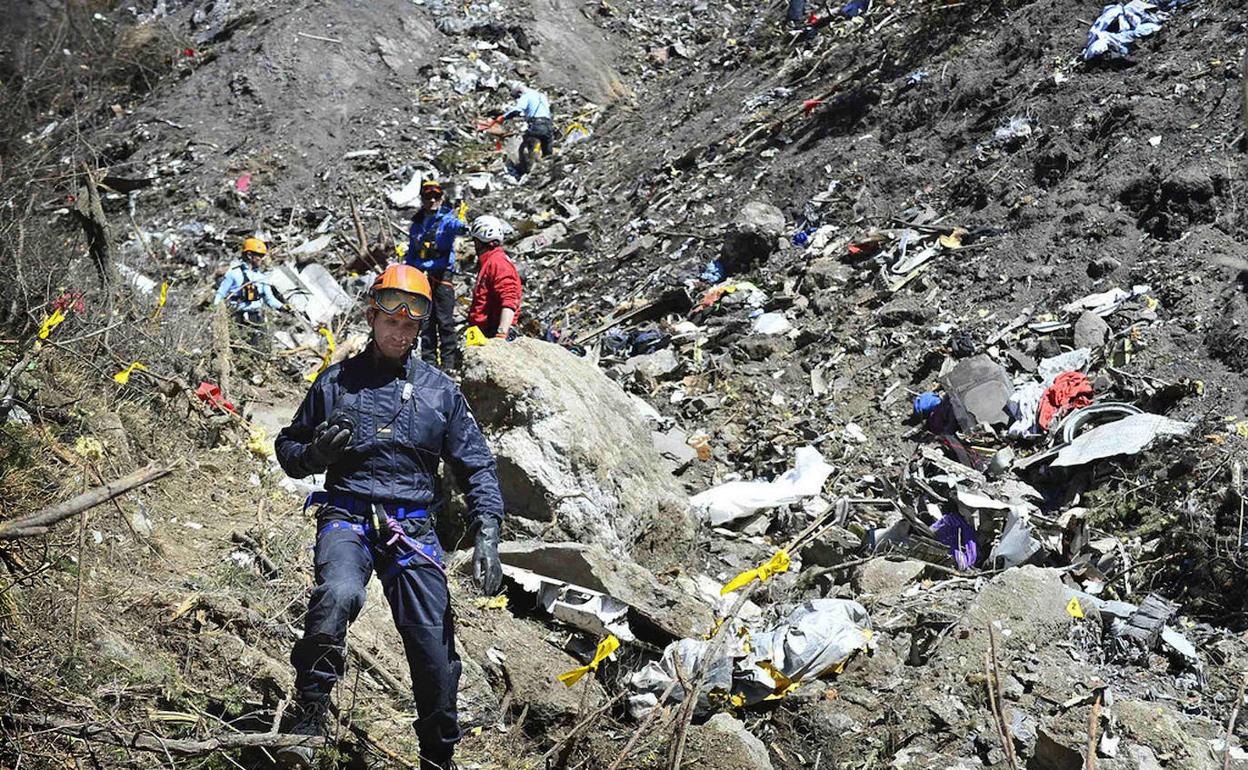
[
  {"x": 574, "y": 455},
  {"x": 753, "y": 237}
]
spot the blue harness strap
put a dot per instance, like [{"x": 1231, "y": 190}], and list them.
[
  {"x": 358, "y": 506},
  {"x": 431, "y": 552}
]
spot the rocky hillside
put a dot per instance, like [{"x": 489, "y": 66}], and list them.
[{"x": 828, "y": 255}]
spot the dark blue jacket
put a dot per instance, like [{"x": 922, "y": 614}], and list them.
[
  {"x": 439, "y": 230},
  {"x": 396, "y": 445}
]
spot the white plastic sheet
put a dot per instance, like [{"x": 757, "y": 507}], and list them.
[
  {"x": 772, "y": 323},
  {"x": 815, "y": 639},
  {"x": 680, "y": 661},
  {"x": 740, "y": 499},
  {"x": 409, "y": 195}
]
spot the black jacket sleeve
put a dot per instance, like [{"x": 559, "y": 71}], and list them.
[
  {"x": 291, "y": 445},
  {"x": 465, "y": 450}
]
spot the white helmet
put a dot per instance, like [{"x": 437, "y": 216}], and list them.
[{"x": 489, "y": 229}]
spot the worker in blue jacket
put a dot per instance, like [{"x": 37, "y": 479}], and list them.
[
  {"x": 246, "y": 288},
  {"x": 377, "y": 425},
  {"x": 431, "y": 249},
  {"x": 534, "y": 107}
]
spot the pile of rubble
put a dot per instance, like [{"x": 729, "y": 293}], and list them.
[{"x": 872, "y": 416}]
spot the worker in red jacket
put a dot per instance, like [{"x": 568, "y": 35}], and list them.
[{"x": 496, "y": 297}]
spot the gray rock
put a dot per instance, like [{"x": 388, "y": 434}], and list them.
[
  {"x": 572, "y": 449},
  {"x": 725, "y": 740},
  {"x": 657, "y": 366},
  {"x": 881, "y": 577},
  {"x": 1102, "y": 266},
  {"x": 674, "y": 446},
  {"x": 753, "y": 237},
  {"x": 829, "y": 272},
  {"x": 1091, "y": 331}
]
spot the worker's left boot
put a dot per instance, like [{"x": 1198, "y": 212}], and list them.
[{"x": 312, "y": 719}]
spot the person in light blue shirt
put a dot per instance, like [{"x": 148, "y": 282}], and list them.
[
  {"x": 534, "y": 106},
  {"x": 245, "y": 288}
]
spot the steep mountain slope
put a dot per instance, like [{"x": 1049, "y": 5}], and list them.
[{"x": 1050, "y": 178}]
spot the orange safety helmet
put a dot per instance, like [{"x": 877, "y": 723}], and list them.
[
  {"x": 401, "y": 289},
  {"x": 254, "y": 246}
]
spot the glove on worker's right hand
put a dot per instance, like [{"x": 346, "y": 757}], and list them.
[{"x": 330, "y": 441}]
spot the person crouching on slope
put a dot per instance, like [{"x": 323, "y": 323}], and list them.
[{"x": 496, "y": 295}]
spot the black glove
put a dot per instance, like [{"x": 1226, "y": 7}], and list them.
[
  {"x": 330, "y": 441},
  {"x": 487, "y": 570}
]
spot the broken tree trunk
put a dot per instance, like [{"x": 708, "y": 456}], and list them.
[
  {"x": 361, "y": 247},
  {"x": 221, "y": 346},
  {"x": 39, "y": 523},
  {"x": 90, "y": 214},
  {"x": 146, "y": 741}
]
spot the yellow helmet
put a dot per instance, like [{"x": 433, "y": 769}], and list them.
[{"x": 255, "y": 246}]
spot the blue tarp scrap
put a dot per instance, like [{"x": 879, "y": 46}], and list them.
[{"x": 1121, "y": 24}]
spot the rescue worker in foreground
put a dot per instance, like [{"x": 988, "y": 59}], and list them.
[
  {"x": 246, "y": 287},
  {"x": 431, "y": 249},
  {"x": 496, "y": 295},
  {"x": 377, "y": 424},
  {"x": 539, "y": 127}
]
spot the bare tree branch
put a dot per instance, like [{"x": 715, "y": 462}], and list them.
[{"x": 39, "y": 522}]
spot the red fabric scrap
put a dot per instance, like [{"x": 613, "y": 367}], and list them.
[
  {"x": 243, "y": 183},
  {"x": 863, "y": 249},
  {"x": 809, "y": 105},
  {"x": 211, "y": 394},
  {"x": 1070, "y": 391}
]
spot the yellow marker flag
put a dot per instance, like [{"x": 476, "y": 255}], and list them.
[
  {"x": 160, "y": 301},
  {"x": 329, "y": 352},
  {"x": 462, "y": 213},
  {"x": 122, "y": 377},
  {"x": 51, "y": 322},
  {"x": 605, "y": 648},
  {"x": 773, "y": 566},
  {"x": 474, "y": 337},
  {"x": 1074, "y": 608}
]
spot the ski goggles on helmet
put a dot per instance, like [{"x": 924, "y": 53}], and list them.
[{"x": 392, "y": 301}]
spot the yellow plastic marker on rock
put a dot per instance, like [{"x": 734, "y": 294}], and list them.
[
  {"x": 773, "y": 566},
  {"x": 474, "y": 337},
  {"x": 1074, "y": 608},
  {"x": 123, "y": 376},
  {"x": 329, "y": 352},
  {"x": 605, "y": 648}
]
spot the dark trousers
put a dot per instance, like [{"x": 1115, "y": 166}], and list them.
[
  {"x": 416, "y": 589},
  {"x": 797, "y": 10},
  {"x": 438, "y": 338},
  {"x": 540, "y": 133}
]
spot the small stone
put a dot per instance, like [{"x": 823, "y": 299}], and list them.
[{"x": 1091, "y": 331}]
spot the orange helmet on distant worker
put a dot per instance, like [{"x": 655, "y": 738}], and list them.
[
  {"x": 401, "y": 289},
  {"x": 254, "y": 246}
]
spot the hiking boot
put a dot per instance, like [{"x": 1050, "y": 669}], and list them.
[
  {"x": 311, "y": 718},
  {"x": 446, "y": 764}
]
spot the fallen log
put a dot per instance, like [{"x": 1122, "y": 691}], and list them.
[
  {"x": 38, "y": 523},
  {"x": 146, "y": 741}
]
